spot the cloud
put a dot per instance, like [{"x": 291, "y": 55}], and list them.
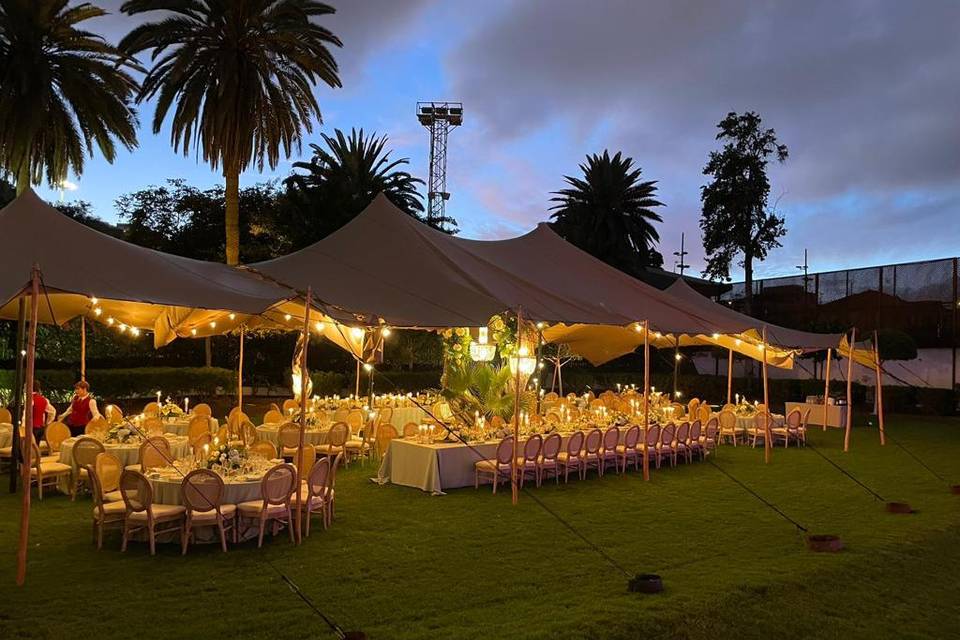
[{"x": 865, "y": 94}]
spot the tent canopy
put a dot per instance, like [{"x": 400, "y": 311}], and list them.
[{"x": 385, "y": 266}]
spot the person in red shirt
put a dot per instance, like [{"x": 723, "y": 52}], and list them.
[
  {"x": 83, "y": 409},
  {"x": 43, "y": 412}
]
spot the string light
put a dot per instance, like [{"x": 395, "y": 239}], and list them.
[
  {"x": 540, "y": 325},
  {"x": 213, "y": 325},
  {"x": 193, "y": 332},
  {"x": 656, "y": 334},
  {"x": 135, "y": 332},
  {"x": 638, "y": 327},
  {"x": 123, "y": 327},
  {"x": 110, "y": 321},
  {"x": 319, "y": 326},
  {"x": 287, "y": 317},
  {"x": 678, "y": 356},
  {"x": 385, "y": 332},
  {"x": 94, "y": 301},
  {"x": 233, "y": 316},
  {"x": 716, "y": 336},
  {"x": 737, "y": 342},
  {"x": 356, "y": 332},
  {"x": 367, "y": 367},
  {"x": 97, "y": 311}
]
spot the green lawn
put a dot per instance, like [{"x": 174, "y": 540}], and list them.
[{"x": 401, "y": 564}]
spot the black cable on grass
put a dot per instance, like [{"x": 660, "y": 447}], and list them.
[
  {"x": 918, "y": 460},
  {"x": 334, "y": 627},
  {"x": 603, "y": 554},
  {"x": 800, "y": 527},
  {"x": 845, "y": 472}
]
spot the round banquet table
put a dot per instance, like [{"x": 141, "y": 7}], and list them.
[
  {"x": 745, "y": 423},
  {"x": 129, "y": 454},
  {"x": 180, "y": 426},
  {"x": 6, "y": 435},
  {"x": 270, "y": 432}
]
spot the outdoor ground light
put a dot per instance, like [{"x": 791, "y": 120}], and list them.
[{"x": 481, "y": 350}]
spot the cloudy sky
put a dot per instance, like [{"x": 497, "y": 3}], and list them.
[{"x": 866, "y": 95}]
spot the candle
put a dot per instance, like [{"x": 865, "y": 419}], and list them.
[
  {"x": 186, "y": 405},
  {"x": 158, "y": 397}
]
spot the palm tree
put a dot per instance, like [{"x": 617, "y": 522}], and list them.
[
  {"x": 63, "y": 91},
  {"x": 241, "y": 74},
  {"x": 341, "y": 179},
  {"x": 609, "y": 213}
]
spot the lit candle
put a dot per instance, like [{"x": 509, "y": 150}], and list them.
[
  {"x": 186, "y": 405},
  {"x": 158, "y": 397}
]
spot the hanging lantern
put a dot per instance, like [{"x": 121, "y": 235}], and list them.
[
  {"x": 523, "y": 362},
  {"x": 481, "y": 351}
]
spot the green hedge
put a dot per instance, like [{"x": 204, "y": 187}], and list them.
[
  {"x": 120, "y": 384},
  {"x": 331, "y": 382}
]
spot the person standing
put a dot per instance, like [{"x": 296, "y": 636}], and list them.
[
  {"x": 43, "y": 412},
  {"x": 83, "y": 409}
]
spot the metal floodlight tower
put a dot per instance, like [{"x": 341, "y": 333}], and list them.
[{"x": 438, "y": 118}]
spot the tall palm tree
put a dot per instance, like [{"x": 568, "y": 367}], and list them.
[
  {"x": 342, "y": 178},
  {"x": 609, "y": 213},
  {"x": 241, "y": 73},
  {"x": 63, "y": 91}
]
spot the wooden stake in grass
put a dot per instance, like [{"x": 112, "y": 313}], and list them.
[
  {"x": 767, "y": 449},
  {"x": 846, "y": 435},
  {"x": 303, "y": 409},
  {"x": 83, "y": 349},
  {"x": 26, "y": 442},
  {"x": 876, "y": 360},
  {"x": 826, "y": 389},
  {"x": 646, "y": 396}
]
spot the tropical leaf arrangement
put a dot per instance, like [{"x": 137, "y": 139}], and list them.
[{"x": 473, "y": 388}]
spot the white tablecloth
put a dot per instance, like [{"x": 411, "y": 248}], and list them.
[
  {"x": 128, "y": 454},
  {"x": 747, "y": 423},
  {"x": 180, "y": 426},
  {"x": 836, "y": 414},
  {"x": 270, "y": 431},
  {"x": 401, "y": 415}
]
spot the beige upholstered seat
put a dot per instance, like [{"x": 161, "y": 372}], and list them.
[
  {"x": 143, "y": 514},
  {"x": 45, "y": 473},
  {"x": 202, "y": 492},
  {"x": 276, "y": 487}
]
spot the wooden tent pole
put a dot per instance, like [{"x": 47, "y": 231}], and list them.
[
  {"x": 356, "y": 391},
  {"x": 826, "y": 389},
  {"x": 83, "y": 348},
  {"x": 646, "y": 396},
  {"x": 560, "y": 375},
  {"x": 876, "y": 359},
  {"x": 514, "y": 484},
  {"x": 676, "y": 366},
  {"x": 240, "y": 373},
  {"x": 303, "y": 410},
  {"x": 846, "y": 435},
  {"x": 729, "y": 376},
  {"x": 767, "y": 436},
  {"x": 26, "y": 442},
  {"x": 17, "y": 391}
]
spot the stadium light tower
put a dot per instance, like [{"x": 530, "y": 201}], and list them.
[{"x": 438, "y": 118}]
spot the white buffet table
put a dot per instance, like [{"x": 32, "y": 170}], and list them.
[{"x": 836, "y": 414}]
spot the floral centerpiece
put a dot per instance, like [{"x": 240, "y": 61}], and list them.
[
  {"x": 122, "y": 434},
  {"x": 170, "y": 410},
  {"x": 745, "y": 410},
  {"x": 227, "y": 457}
]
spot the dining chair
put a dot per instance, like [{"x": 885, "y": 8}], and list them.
[
  {"x": 331, "y": 493},
  {"x": 198, "y": 426},
  {"x": 309, "y": 459},
  {"x": 154, "y": 453},
  {"x": 651, "y": 442},
  {"x": 591, "y": 452},
  {"x": 203, "y": 409},
  {"x": 527, "y": 463},
  {"x": 549, "y": 451},
  {"x": 608, "y": 449},
  {"x": 5, "y": 416},
  {"x": 340, "y": 415},
  {"x": 272, "y": 417},
  {"x": 497, "y": 467},
  {"x": 151, "y": 409},
  {"x": 202, "y": 494},
  {"x": 695, "y": 440},
  {"x": 55, "y": 434},
  {"x": 666, "y": 447},
  {"x": 572, "y": 457},
  {"x": 290, "y": 406},
  {"x": 263, "y": 448},
  {"x": 152, "y": 427},
  {"x": 108, "y": 468},
  {"x": 277, "y": 485},
  {"x": 551, "y": 397},
  {"x": 759, "y": 430},
  {"x": 46, "y": 473},
  {"x": 336, "y": 439},
  {"x": 803, "y": 427},
  {"x": 248, "y": 432},
  {"x": 355, "y": 420},
  {"x": 628, "y": 450},
  {"x": 384, "y": 415},
  {"x": 385, "y": 433},
  {"x": 790, "y": 429},
  {"x": 288, "y": 437},
  {"x": 727, "y": 423},
  {"x": 704, "y": 413},
  {"x": 85, "y": 452},
  {"x": 711, "y": 437},
  {"x": 410, "y": 429},
  {"x": 682, "y": 441},
  {"x": 143, "y": 514},
  {"x": 105, "y": 512},
  {"x": 314, "y": 493},
  {"x": 97, "y": 426},
  {"x": 113, "y": 414}
]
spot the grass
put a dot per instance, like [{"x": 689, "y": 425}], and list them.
[{"x": 401, "y": 564}]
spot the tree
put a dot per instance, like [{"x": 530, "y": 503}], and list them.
[
  {"x": 609, "y": 213},
  {"x": 241, "y": 74},
  {"x": 735, "y": 218},
  {"x": 340, "y": 181},
  {"x": 63, "y": 91}
]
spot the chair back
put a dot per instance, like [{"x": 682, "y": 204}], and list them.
[
  {"x": 340, "y": 415},
  {"x": 263, "y": 448},
  {"x": 338, "y": 434},
  {"x": 55, "y": 434},
  {"x": 497, "y": 422},
  {"x": 693, "y": 406},
  {"x": 531, "y": 448},
  {"x": 575, "y": 444},
  {"x": 695, "y": 428},
  {"x": 553, "y": 418},
  {"x": 711, "y": 431},
  {"x": 248, "y": 432},
  {"x": 410, "y": 429},
  {"x": 108, "y": 468},
  {"x": 136, "y": 491},
  {"x": 198, "y": 425},
  {"x": 151, "y": 409},
  {"x": 385, "y": 433},
  {"x": 611, "y": 438},
  {"x": 760, "y": 420},
  {"x": 678, "y": 410},
  {"x": 729, "y": 407},
  {"x": 272, "y": 417},
  {"x": 332, "y": 478},
  {"x": 86, "y": 450},
  {"x": 289, "y": 435},
  {"x": 153, "y": 427},
  {"x": 202, "y": 490},
  {"x": 683, "y": 432},
  {"x": 551, "y": 447},
  {"x": 155, "y": 452},
  {"x": 505, "y": 451},
  {"x": 594, "y": 438},
  {"x": 319, "y": 477},
  {"x": 704, "y": 413},
  {"x": 806, "y": 419},
  {"x": 794, "y": 419},
  {"x": 234, "y": 421},
  {"x": 96, "y": 487},
  {"x": 631, "y": 437},
  {"x": 727, "y": 420},
  {"x": 5, "y": 416},
  {"x": 278, "y": 483},
  {"x": 290, "y": 406},
  {"x": 667, "y": 434},
  {"x": 384, "y": 415},
  {"x": 653, "y": 435},
  {"x": 113, "y": 414},
  {"x": 197, "y": 442},
  {"x": 97, "y": 425},
  {"x": 309, "y": 458},
  {"x": 355, "y": 420},
  {"x": 551, "y": 397},
  {"x": 275, "y": 407},
  {"x": 203, "y": 409},
  {"x": 761, "y": 408}
]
